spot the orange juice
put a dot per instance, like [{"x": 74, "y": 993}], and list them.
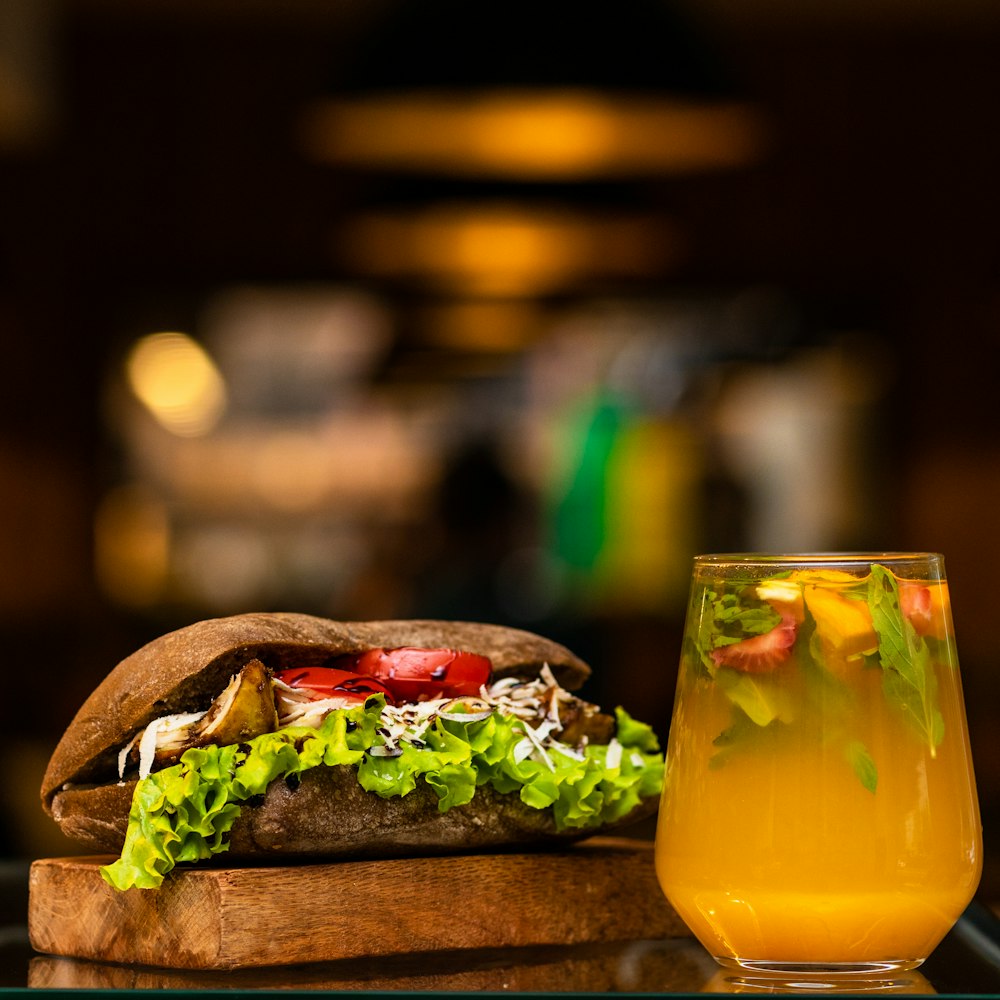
[{"x": 819, "y": 806}]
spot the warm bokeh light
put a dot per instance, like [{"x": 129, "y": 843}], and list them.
[
  {"x": 178, "y": 382},
  {"x": 293, "y": 470},
  {"x": 487, "y": 325},
  {"x": 505, "y": 249},
  {"x": 530, "y": 135},
  {"x": 132, "y": 545}
]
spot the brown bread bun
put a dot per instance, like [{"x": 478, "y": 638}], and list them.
[{"x": 328, "y": 813}]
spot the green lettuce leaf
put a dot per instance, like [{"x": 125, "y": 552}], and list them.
[{"x": 183, "y": 813}]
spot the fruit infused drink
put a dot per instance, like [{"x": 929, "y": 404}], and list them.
[{"x": 819, "y": 808}]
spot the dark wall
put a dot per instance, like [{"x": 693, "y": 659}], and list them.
[{"x": 172, "y": 169}]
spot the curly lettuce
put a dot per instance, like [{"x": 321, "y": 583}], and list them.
[{"x": 184, "y": 812}]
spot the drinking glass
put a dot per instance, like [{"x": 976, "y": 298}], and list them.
[{"x": 819, "y": 812}]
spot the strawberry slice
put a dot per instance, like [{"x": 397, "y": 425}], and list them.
[
  {"x": 915, "y": 603},
  {"x": 759, "y": 654}
]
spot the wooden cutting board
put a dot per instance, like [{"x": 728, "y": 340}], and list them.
[{"x": 600, "y": 890}]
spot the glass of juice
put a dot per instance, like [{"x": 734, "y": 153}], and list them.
[{"x": 819, "y": 812}]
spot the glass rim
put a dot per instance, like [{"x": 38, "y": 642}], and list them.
[{"x": 813, "y": 559}]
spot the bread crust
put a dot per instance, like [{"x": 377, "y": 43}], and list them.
[{"x": 184, "y": 670}]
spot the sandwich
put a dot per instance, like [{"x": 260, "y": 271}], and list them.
[{"x": 265, "y": 737}]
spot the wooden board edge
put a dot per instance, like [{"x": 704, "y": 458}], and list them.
[{"x": 604, "y": 889}]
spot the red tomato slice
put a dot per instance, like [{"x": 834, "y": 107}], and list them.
[
  {"x": 761, "y": 653},
  {"x": 423, "y": 674},
  {"x": 329, "y": 682}
]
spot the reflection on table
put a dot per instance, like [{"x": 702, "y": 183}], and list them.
[{"x": 674, "y": 966}]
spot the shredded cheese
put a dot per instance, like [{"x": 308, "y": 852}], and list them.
[
  {"x": 528, "y": 701},
  {"x": 160, "y": 733},
  {"x": 536, "y": 703},
  {"x": 123, "y": 756}
]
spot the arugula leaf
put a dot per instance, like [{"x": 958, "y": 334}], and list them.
[{"x": 908, "y": 678}]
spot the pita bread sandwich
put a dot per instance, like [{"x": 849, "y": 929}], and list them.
[{"x": 277, "y": 736}]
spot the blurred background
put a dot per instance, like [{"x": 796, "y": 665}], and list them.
[{"x": 492, "y": 311}]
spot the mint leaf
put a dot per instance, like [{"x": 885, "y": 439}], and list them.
[
  {"x": 864, "y": 767},
  {"x": 762, "y": 700},
  {"x": 908, "y": 679},
  {"x": 725, "y": 619},
  {"x": 730, "y": 616}
]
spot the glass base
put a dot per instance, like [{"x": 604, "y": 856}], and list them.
[{"x": 892, "y": 976}]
